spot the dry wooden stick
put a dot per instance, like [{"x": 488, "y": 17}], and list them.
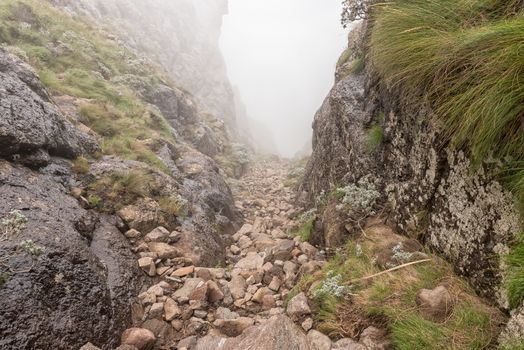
[{"x": 390, "y": 270}]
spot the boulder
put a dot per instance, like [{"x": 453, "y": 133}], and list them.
[
  {"x": 233, "y": 327},
  {"x": 159, "y": 234},
  {"x": 163, "y": 250},
  {"x": 375, "y": 339},
  {"x": 318, "y": 340},
  {"x": 144, "y": 215},
  {"x": 298, "y": 307},
  {"x": 435, "y": 305},
  {"x": 252, "y": 261},
  {"x": 347, "y": 344},
  {"x": 276, "y": 334},
  {"x": 189, "y": 286},
  {"x": 31, "y": 127},
  {"x": 140, "y": 338}
]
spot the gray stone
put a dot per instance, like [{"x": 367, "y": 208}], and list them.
[
  {"x": 188, "y": 288},
  {"x": 298, "y": 307},
  {"x": 318, "y": 340}
]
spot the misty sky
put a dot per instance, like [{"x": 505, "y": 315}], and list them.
[{"x": 282, "y": 54}]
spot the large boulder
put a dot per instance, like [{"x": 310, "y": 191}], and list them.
[
  {"x": 31, "y": 127},
  {"x": 72, "y": 275},
  {"x": 276, "y": 334}
]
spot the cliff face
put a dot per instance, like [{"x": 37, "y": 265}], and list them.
[
  {"x": 429, "y": 189},
  {"x": 96, "y": 141},
  {"x": 181, "y": 35}
]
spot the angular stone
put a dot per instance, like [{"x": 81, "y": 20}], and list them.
[
  {"x": 187, "y": 343},
  {"x": 259, "y": 295},
  {"x": 200, "y": 293},
  {"x": 140, "y": 338},
  {"x": 307, "y": 324},
  {"x": 171, "y": 310},
  {"x": 374, "y": 338},
  {"x": 235, "y": 327},
  {"x": 237, "y": 286},
  {"x": 252, "y": 261},
  {"x": 214, "y": 294},
  {"x": 159, "y": 234},
  {"x": 348, "y": 344},
  {"x": 298, "y": 307},
  {"x": 275, "y": 284},
  {"x": 163, "y": 250},
  {"x": 184, "y": 271},
  {"x": 133, "y": 234},
  {"x": 89, "y": 346},
  {"x": 156, "y": 310},
  {"x": 189, "y": 286},
  {"x": 226, "y": 314}
]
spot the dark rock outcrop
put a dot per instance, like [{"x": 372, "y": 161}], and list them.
[
  {"x": 31, "y": 128},
  {"x": 431, "y": 189},
  {"x": 79, "y": 288}
]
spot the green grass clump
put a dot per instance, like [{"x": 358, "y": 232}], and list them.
[
  {"x": 515, "y": 273},
  {"x": 81, "y": 165},
  {"x": 465, "y": 58},
  {"x": 118, "y": 189},
  {"x": 375, "y": 135},
  {"x": 344, "y": 57},
  {"x": 357, "y": 66},
  {"x": 389, "y": 301},
  {"x": 305, "y": 230},
  {"x": 515, "y": 344},
  {"x": 175, "y": 206},
  {"x": 416, "y": 333}
]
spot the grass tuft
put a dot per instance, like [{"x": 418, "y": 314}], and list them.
[
  {"x": 515, "y": 273},
  {"x": 465, "y": 58}
]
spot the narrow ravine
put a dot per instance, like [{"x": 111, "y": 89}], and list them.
[{"x": 196, "y": 307}]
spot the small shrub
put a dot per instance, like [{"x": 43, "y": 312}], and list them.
[
  {"x": 358, "y": 200},
  {"x": 93, "y": 200},
  {"x": 176, "y": 206},
  {"x": 331, "y": 286},
  {"x": 13, "y": 223},
  {"x": 29, "y": 247},
  {"x": 81, "y": 165}
]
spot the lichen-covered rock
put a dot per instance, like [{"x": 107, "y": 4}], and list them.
[
  {"x": 514, "y": 331},
  {"x": 433, "y": 191},
  {"x": 31, "y": 127}
]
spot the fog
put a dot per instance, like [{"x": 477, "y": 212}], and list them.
[{"x": 281, "y": 54}]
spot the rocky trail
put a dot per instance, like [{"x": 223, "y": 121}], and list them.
[{"x": 242, "y": 305}]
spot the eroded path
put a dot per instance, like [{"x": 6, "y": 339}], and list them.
[{"x": 210, "y": 308}]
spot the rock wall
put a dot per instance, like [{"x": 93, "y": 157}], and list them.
[
  {"x": 79, "y": 283},
  {"x": 68, "y": 274},
  {"x": 431, "y": 190}
]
